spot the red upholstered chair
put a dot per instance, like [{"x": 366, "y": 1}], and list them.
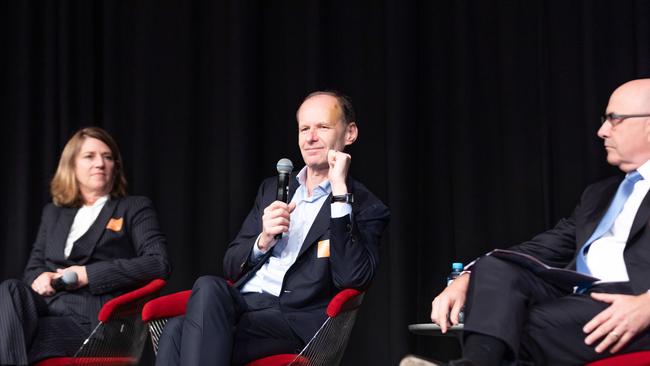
[
  {"x": 641, "y": 358},
  {"x": 120, "y": 336},
  {"x": 325, "y": 348}
]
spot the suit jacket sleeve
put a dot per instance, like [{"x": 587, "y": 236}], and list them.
[
  {"x": 557, "y": 246},
  {"x": 36, "y": 263},
  {"x": 236, "y": 260},
  {"x": 355, "y": 239},
  {"x": 151, "y": 259}
]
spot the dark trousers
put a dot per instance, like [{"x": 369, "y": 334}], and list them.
[
  {"x": 223, "y": 327},
  {"x": 31, "y": 329},
  {"x": 541, "y": 324}
]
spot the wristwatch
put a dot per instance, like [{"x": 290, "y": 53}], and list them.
[{"x": 345, "y": 198}]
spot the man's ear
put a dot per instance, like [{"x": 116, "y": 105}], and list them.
[{"x": 351, "y": 133}]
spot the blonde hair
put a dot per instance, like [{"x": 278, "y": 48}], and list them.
[{"x": 64, "y": 187}]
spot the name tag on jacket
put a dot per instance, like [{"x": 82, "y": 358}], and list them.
[{"x": 323, "y": 249}]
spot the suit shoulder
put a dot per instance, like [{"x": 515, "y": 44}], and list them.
[
  {"x": 607, "y": 181},
  {"x": 363, "y": 195},
  {"x": 269, "y": 180},
  {"x": 268, "y": 186},
  {"x": 50, "y": 210},
  {"x": 134, "y": 201},
  {"x": 604, "y": 183},
  {"x": 50, "y": 206}
]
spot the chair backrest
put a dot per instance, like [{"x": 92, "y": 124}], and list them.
[
  {"x": 327, "y": 346},
  {"x": 120, "y": 336}
]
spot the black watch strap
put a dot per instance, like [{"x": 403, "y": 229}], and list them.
[{"x": 345, "y": 198}]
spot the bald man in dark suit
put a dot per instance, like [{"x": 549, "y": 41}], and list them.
[
  {"x": 289, "y": 259},
  {"x": 513, "y": 315}
]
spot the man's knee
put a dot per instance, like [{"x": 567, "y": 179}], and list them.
[
  {"x": 173, "y": 331},
  {"x": 494, "y": 266},
  {"x": 170, "y": 342},
  {"x": 210, "y": 292},
  {"x": 11, "y": 288},
  {"x": 210, "y": 283}
]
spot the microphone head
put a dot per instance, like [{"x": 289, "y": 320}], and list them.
[
  {"x": 70, "y": 277},
  {"x": 284, "y": 166}
]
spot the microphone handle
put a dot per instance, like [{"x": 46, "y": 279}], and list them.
[
  {"x": 59, "y": 285},
  {"x": 282, "y": 193}
]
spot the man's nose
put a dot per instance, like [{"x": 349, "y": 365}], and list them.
[{"x": 604, "y": 130}]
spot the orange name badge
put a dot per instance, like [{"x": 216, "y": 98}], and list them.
[
  {"x": 323, "y": 249},
  {"x": 115, "y": 224}
]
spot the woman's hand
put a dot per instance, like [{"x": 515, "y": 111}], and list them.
[
  {"x": 43, "y": 283},
  {"x": 82, "y": 276}
]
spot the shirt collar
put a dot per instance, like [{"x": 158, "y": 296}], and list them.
[
  {"x": 644, "y": 170},
  {"x": 324, "y": 186}
]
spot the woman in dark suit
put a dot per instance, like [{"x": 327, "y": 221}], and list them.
[{"x": 111, "y": 241}]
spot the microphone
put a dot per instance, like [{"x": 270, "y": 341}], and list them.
[
  {"x": 284, "y": 167},
  {"x": 65, "y": 282}
]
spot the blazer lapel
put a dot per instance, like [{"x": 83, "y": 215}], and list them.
[
  {"x": 247, "y": 276},
  {"x": 62, "y": 230},
  {"x": 322, "y": 222},
  {"x": 641, "y": 218},
  {"x": 84, "y": 246},
  {"x": 319, "y": 227},
  {"x": 293, "y": 186},
  {"x": 602, "y": 205}
]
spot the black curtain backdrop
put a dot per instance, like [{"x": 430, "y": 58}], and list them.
[{"x": 477, "y": 121}]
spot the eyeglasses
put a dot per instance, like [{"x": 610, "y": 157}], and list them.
[{"x": 615, "y": 119}]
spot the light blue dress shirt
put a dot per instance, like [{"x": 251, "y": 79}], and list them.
[{"x": 270, "y": 276}]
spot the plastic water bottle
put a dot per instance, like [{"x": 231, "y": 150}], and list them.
[{"x": 456, "y": 270}]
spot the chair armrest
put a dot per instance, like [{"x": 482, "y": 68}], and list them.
[
  {"x": 166, "y": 306},
  {"x": 175, "y": 304},
  {"x": 113, "y": 306},
  {"x": 346, "y": 300}
]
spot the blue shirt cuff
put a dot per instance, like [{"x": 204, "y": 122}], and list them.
[{"x": 340, "y": 209}]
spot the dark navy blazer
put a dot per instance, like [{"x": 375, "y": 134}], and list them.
[
  {"x": 558, "y": 246},
  {"x": 312, "y": 281}
]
